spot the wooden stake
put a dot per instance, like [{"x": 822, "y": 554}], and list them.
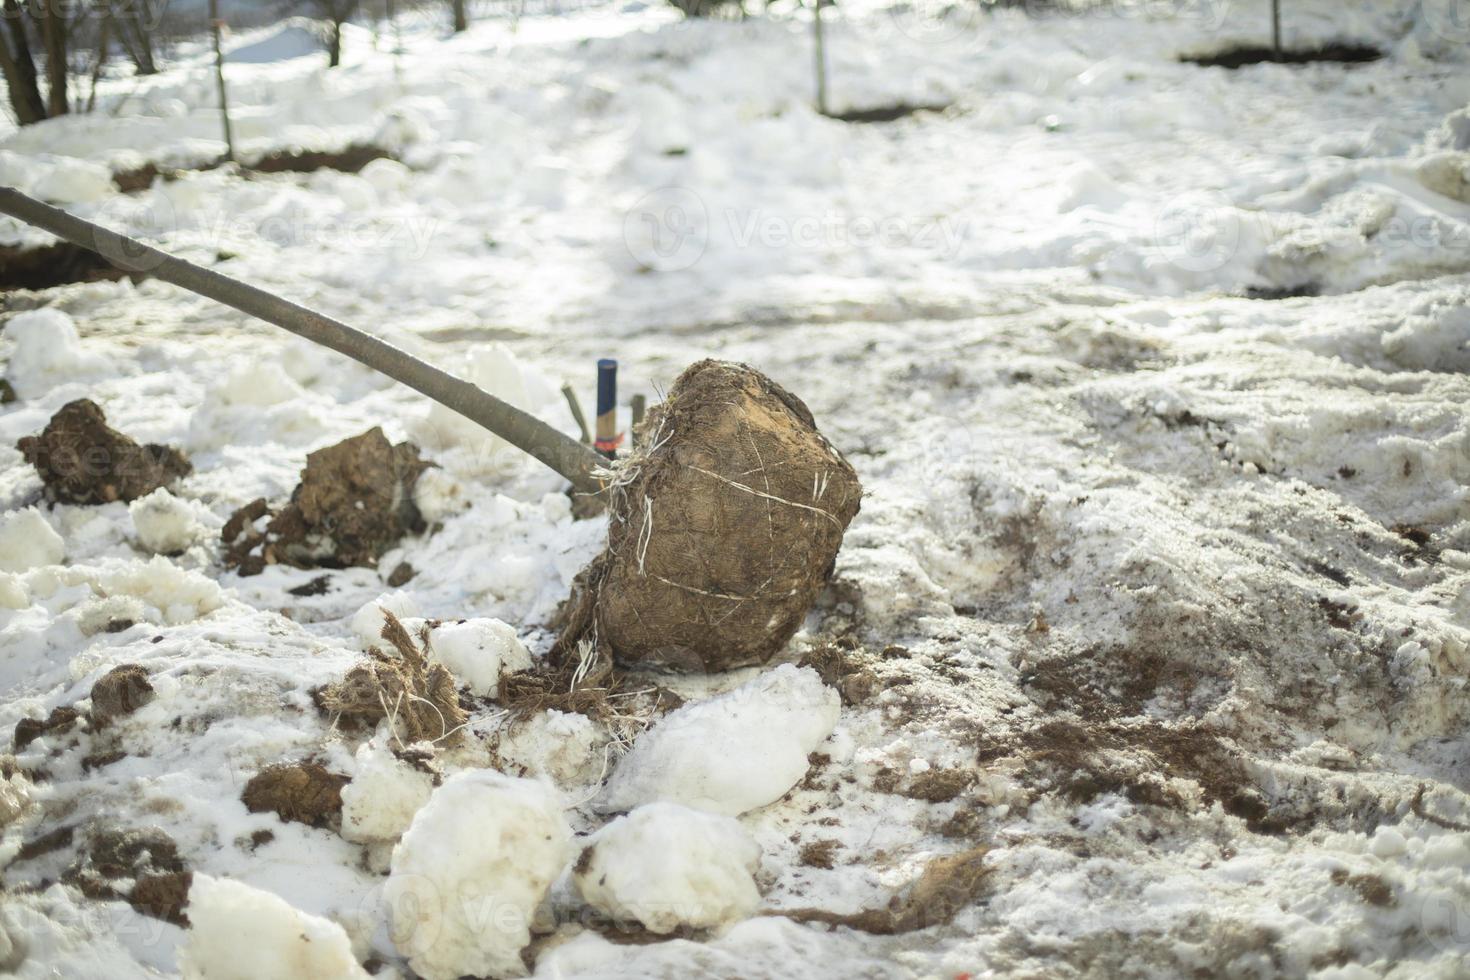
[
  {"x": 570, "y": 394},
  {"x": 821, "y": 53},
  {"x": 640, "y": 403}
]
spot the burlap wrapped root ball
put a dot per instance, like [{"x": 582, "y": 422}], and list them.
[{"x": 723, "y": 528}]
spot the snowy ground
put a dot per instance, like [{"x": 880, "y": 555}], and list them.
[{"x": 1155, "y": 377}]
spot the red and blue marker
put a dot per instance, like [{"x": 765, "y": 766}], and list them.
[{"x": 608, "y": 437}]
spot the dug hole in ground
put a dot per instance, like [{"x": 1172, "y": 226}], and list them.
[{"x": 1144, "y": 656}]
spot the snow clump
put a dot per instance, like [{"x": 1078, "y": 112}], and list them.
[
  {"x": 479, "y": 652},
  {"x": 731, "y": 753},
  {"x": 669, "y": 867},
  {"x": 470, "y": 872}
]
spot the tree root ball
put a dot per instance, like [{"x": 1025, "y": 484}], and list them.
[{"x": 723, "y": 528}]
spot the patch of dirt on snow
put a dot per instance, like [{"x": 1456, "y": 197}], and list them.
[
  {"x": 58, "y": 264},
  {"x": 303, "y": 792},
  {"x": 354, "y": 502},
  {"x": 141, "y": 866},
  {"x": 946, "y": 885},
  {"x": 82, "y": 460}
]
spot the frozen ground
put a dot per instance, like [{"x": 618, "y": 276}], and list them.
[{"x": 1155, "y": 377}]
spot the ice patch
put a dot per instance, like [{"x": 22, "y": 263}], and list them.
[
  {"x": 385, "y": 793},
  {"x": 470, "y": 872},
  {"x": 237, "y": 932},
  {"x": 731, "y": 753},
  {"x": 668, "y": 866}
]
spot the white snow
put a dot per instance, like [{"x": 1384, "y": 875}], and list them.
[
  {"x": 732, "y": 753},
  {"x": 28, "y": 541},
  {"x": 164, "y": 523},
  {"x": 479, "y": 652},
  {"x": 385, "y": 792},
  {"x": 368, "y": 621},
  {"x": 47, "y": 351},
  {"x": 668, "y": 866},
  {"x": 237, "y": 932},
  {"x": 470, "y": 872},
  {"x": 1154, "y": 375}
]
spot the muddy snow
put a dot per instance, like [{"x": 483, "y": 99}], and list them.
[{"x": 1145, "y": 655}]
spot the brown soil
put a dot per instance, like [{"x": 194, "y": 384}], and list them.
[
  {"x": 55, "y": 265},
  {"x": 947, "y": 885},
  {"x": 27, "y": 730},
  {"x": 349, "y": 161},
  {"x": 885, "y": 113},
  {"x": 845, "y": 669},
  {"x": 120, "y": 691},
  {"x": 354, "y": 502},
  {"x": 82, "y": 460},
  {"x": 419, "y": 695},
  {"x": 141, "y": 866},
  {"x": 304, "y": 792},
  {"x": 1255, "y": 54},
  {"x": 939, "y": 785},
  {"x": 722, "y": 530}
]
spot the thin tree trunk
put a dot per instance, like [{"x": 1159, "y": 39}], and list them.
[
  {"x": 53, "y": 38},
  {"x": 219, "y": 78},
  {"x": 821, "y": 53},
  {"x": 20, "y": 68},
  {"x": 142, "y": 48},
  {"x": 334, "y": 45},
  {"x": 103, "y": 42},
  {"x": 461, "y": 16},
  {"x": 1276, "y": 25}
]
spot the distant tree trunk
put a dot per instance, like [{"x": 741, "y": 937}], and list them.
[
  {"x": 1276, "y": 26},
  {"x": 19, "y": 67},
  {"x": 334, "y": 45},
  {"x": 461, "y": 16},
  {"x": 104, "y": 41},
  {"x": 53, "y": 39},
  {"x": 820, "y": 47},
  {"x": 137, "y": 40}
]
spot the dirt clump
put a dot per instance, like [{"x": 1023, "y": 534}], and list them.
[
  {"x": 60, "y": 721},
  {"x": 120, "y": 691},
  {"x": 946, "y": 885},
  {"x": 844, "y": 668},
  {"x": 723, "y": 528},
  {"x": 420, "y": 696},
  {"x": 304, "y": 792},
  {"x": 818, "y": 853},
  {"x": 82, "y": 460},
  {"x": 141, "y": 866},
  {"x": 354, "y": 502}
]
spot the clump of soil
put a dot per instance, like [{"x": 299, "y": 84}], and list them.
[
  {"x": 722, "y": 528},
  {"x": 120, "y": 691},
  {"x": 301, "y": 791},
  {"x": 82, "y": 460},
  {"x": 354, "y": 502},
  {"x": 845, "y": 669},
  {"x": 27, "y": 730},
  {"x": 55, "y": 265},
  {"x": 141, "y": 866},
  {"x": 348, "y": 160},
  {"x": 420, "y": 696},
  {"x": 885, "y": 113},
  {"x": 947, "y": 885}
]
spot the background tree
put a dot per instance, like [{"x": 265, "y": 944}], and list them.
[
  {"x": 19, "y": 67},
  {"x": 335, "y": 13},
  {"x": 461, "y": 15}
]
